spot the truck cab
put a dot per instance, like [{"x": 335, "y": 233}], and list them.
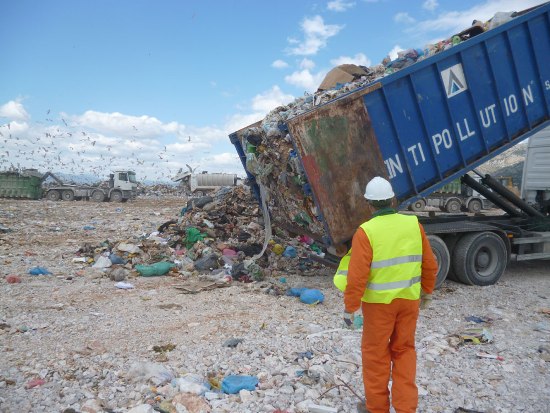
[{"x": 123, "y": 184}]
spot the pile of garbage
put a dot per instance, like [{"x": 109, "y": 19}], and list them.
[
  {"x": 217, "y": 238},
  {"x": 271, "y": 156}
]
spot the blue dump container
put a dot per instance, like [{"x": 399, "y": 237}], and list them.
[{"x": 426, "y": 125}]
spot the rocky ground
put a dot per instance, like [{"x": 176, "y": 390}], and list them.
[{"x": 72, "y": 341}]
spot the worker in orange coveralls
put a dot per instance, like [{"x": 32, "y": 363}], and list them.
[{"x": 390, "y": 274}]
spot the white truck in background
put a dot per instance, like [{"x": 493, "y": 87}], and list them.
[
  {"x": 204, "y": 182},
  {"x": 535, "y": 186},
  {"x": 121, "y": 187}
]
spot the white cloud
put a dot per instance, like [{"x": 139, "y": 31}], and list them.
[
  {"x": 307, "y": 64},
  {"x": 359, "y": 59},
  {"x": 270, "y": 99},
  {"x": 279, "y": 64},
  {"x": 260, "y": 106},
  {"x": 339, "y": 5},
  {"x": 404, "y": 18},
  {"x": 305, "y": 79},
  {"x": 393, "y": 52},
  {"x": 451, "y": 22},
  {"x": 123, "y": 125},
  {"x": 13, "y": 110},
  {"x": 316, "y": 35},
  {"x": 430, "y": 5}
]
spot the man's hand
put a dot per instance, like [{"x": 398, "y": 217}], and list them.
[
  {"x": 425, "y": 300},
  {"x": 348, "y": 320}
]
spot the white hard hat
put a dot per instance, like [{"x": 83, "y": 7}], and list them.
[{"x": 378, "y": 189}]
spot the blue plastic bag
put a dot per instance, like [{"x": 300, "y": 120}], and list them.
[
  {"x": 290, "y": 252},
  {"x": 312, "y": 296},
  {"x": 115, "y": 259},
  {"x": 39, "y": 271},
  {"x": 295, "y": 292},
  {"x": 234, "y": 384}
]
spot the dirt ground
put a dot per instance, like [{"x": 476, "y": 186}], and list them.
[{"x": 83, "y": 337}]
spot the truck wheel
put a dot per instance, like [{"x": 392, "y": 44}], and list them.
[
  {"x": 480, "y": 258},
  {"x": 418, "y": 206},
  {"x": 443, "y": 258},
  {"x": 475, "y": 206},
  {"x": 98, "y": 196},
  {"x": 453, "y": 206},
  {"x": 116, "y": 197},
  {"x": 53, "y": 195},
  {"x": 67, "y": 195}
]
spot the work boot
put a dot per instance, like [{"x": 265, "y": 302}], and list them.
[{"x": 361, "y": 407}]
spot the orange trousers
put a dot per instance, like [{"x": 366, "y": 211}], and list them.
[{"x": 387, "y": 346}]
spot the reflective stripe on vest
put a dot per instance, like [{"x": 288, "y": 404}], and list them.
[
  {"x": 340, "y": 279},
  {"x": 397, "y": 258}
]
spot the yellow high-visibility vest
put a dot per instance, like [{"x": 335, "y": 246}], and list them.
[{"x": 397, "y": 259}]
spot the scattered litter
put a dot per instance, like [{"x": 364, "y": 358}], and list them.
[
  {"x": 478, "y": 320},
  {"x": 489, "y": 356},
  {"x": 39, "y": 271},
  {"x": 102, "y": 262},
  {"x": 88, "y": 228},
  {"x": 147, "y": 371},
  {"x": 34, "y": 383},
  {"x": 124, "y": 286},
  {"x": 191, "y": 383},
  {"x": 156, "y": 269},
  {"x": 312, "y": 296},
  {"x": 13, "y": 279},
  {"x": 164, "y": 348},
  {"x": 233, "y": 384},
  {"x": 296, "y": 292},
  {"x": 304, "y": 355},
  {"x": 232, "y": 342},
  {"x": 475, "y": 336}
]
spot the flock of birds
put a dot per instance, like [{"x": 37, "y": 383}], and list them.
[{"x": 46, "y": 146}]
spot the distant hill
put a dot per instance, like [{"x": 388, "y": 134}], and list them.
[{"x": 508, "y": 163}]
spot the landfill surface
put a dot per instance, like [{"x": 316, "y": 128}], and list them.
[{"x": 219, "y": 330}]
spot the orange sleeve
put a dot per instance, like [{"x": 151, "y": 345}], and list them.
[
  {"x": 358, "y": 271},
  {"x": 429, "y": 264}
]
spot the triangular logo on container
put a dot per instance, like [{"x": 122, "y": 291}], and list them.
[{"x": 454, "y": 80}]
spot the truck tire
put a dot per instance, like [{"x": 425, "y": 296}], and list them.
[
  {"x": 67, "y": 195},
  {"x": 479, "y": 258},
  {"x": 453, "y": 206},
  {"x": 53, "y": 195},
  {"x": 443, "y": 258},
  {"x": 116, "y": 196},
  {"x": 98, "y": 196},
  {"x": 418, "y": 206},
  {"x": 475, "y": 206}
]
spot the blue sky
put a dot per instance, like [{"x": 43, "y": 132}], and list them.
[{"x": 92, "y": 86}]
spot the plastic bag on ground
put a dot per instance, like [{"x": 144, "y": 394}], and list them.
[
  {"x": 234, "y": 384},
  {"x": 39, "y": 271},
  {"x": 156, "y": 373},
  {"x": 158, "y": 268},
  {"x": 312, "y": 296},
  {"x": 191, "y": 383},
  {"x": 102, "y": 262}
]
